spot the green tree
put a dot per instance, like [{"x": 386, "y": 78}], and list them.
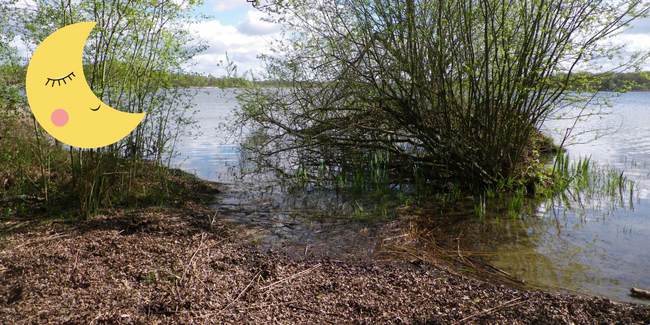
[
  {"x": 132, "y": 61},
  {"x": 10, "y": 65},
  {"x": 132, "y": 57},
  {"x": 452, "y": 90}
]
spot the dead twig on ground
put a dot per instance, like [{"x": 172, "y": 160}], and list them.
[
  {"x": 291, "y": 277},
  {"x": 505, "y": 304},
  {"x": 21, "y": 198},
  {"x": 187, "y": 266},
  {"x": 313, "y": 311},
  {"x": 213, "y": 220},
  {"x": 74, "y": 268},
  {"x": 267, "y": 305},
  {"x": 391, "y": 238},
  {"x": 57, "y": 236},
  {"x": 234, "y": 300}
]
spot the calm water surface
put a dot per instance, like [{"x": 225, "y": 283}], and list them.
[
  {"x": 271, "y": 211},
  {"x": 599, "y": 246},
  {"x": 584, "y": 244}
]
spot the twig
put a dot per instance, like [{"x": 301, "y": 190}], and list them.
[
  {"x": 391, "y": 238},
  {"x": 35, "y": 241},
  {"x": 460, "y": 255},
  {"x": 489, "y": 310},
  {"x": 214, "y": 217},
  {"x": 22, "y": 198},
  {"x": 234, "y": 300},
  {"x": 312, "y": 311},
  {"x": 291, "y": 277},
  {"x": 640, "y": 292},
  {"x": 197, "y": 250},
  {"x": 192, "y": 258},
  {"x": 75, "y": 266},
  {"x": 506, "y": 273},
  {"x": 458, "y": 245},
  {"x": 267, "y": 305}
]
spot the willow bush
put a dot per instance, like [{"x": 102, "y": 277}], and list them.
[{"x": 447, "y": 90}]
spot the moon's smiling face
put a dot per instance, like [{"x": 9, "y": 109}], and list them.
[{"x": 60, "y": 98}]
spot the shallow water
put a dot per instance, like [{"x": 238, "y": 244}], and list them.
[
  {"x": 583, "y": 244},
  {"x": 595, "y": 245}
]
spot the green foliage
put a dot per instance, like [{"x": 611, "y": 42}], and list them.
[
  {"x": 583, "y": 181},
  {"x": 200, "y": 81},
  {"x": 69, "y": 182},
  {"x": 132, "y": 61},
  {"x": 11, "y": 69}
]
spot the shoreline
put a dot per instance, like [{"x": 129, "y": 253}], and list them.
[{"x": 180, "y": 263}]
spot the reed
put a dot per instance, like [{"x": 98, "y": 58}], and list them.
[{"x": 586, "y": 180}]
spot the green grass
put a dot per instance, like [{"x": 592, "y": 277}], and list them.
[
  {"x": 585, "y": 181},
  {"x": 70, "y": 182},
  {"x": 575, "y": 183}
]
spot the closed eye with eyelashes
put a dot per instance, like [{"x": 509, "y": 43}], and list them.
[{"x": 53, "y": 80}]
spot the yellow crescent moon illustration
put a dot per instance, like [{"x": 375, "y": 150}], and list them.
[{"x": 60, "y": 98}]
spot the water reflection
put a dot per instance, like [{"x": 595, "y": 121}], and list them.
[
  {"x": 580, "y": 242},
  {"x": 207, "y": 152},
  {"x": 592, "y": 246}
]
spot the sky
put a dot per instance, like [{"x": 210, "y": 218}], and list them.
[{"x": 236, "y": 28}]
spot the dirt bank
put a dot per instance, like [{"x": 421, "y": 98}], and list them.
[{"x": 178, "y": 265}]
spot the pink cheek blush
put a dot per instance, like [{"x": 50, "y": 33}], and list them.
[{"x": 60, "y": 117}]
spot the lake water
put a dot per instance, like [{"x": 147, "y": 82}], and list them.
[
  {"x": 581, "y": 244},
  {"x": 315, "y": 217}
]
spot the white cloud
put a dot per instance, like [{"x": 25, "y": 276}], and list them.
[
  {"x": 23, "y": 50},
  {"x": 225, "y": 5},
  {"x": 254, "y": 25},
  {"x": 633, "y": 42},
  {"x": 26, "y": 4},
  {"x": 242, "y": 48}
]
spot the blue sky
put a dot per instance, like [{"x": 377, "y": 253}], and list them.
[
  {"x": 236, "y": 28},
  {"x": 223, "y": 13}
]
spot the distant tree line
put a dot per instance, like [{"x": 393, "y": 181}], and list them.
[
  {"x": 201, "y": 81},
  {"x": 617, "y": 82},
  {"x": 14, "y": 75},
  {"x": 628, "y": 81}
]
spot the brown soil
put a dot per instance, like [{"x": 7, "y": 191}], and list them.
[{"x": 177, "y": 265}]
